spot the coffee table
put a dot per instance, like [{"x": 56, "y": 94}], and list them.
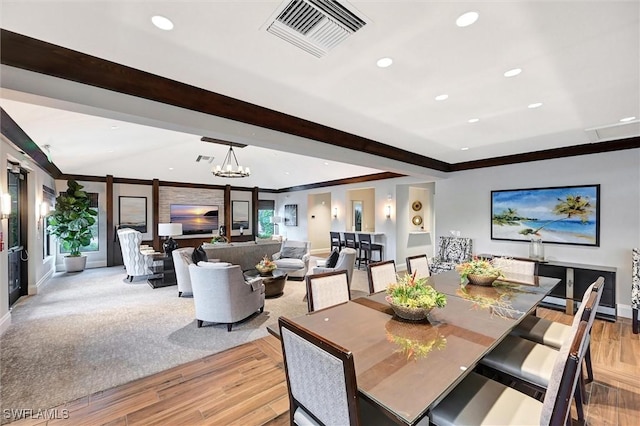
[{"x": 274, "y": 281}]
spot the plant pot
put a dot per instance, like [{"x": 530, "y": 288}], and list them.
[
  {"x": 75, "y": 263},
  {"x": 411, "y": 314},
  {"x": 484, "y": 280}
]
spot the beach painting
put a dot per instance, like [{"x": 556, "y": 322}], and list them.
[{"x": 562, "y": 215}]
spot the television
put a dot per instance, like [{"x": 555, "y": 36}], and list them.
[{"x": 195, "y": 218}]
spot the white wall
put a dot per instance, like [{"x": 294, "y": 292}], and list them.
[{"x": 463, "y": 203}]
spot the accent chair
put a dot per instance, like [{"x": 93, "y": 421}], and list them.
[
  {"x": 135, "y": 262},
  {"x": 346, "y": 260},
  {"x": 181, "y": 261},
  {"x": 452, "y": 251},
  {"x": 293, "y": 258}
]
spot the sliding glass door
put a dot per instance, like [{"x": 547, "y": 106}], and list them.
[{"x": 17, "y": 234}]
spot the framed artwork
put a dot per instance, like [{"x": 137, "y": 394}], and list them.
[
  {"x": 290, "y": 215},
  {"x": 240, "y": 215},
  {"x": 133, "y": 213},
  {"x": 559, "y": 215}
]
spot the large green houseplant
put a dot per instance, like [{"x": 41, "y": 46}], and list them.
[{"x": 71, "y": 222}]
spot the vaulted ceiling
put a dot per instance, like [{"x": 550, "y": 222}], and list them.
[{"x": 579, "y": 60}]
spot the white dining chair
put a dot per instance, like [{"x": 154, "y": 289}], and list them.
[
  {"x": 327, "y": 289},
  {"x": 380, "y": 275},
  {"x": 515, "y": 269},
  {"x": 418, "y": 264}
]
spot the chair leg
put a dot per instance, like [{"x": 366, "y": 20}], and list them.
[
  {"x": 587, "y": 361},
  {"x": 131, "y": 279},
  {"x": 229, "y": 327},
  {"x": 578, "y": 396},
  {"x": 199, "y": 323},
  {"x": 635, "y": 321},
  {"x": 179, "y": 294}
]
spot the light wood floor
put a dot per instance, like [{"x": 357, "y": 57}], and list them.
[{"x": 246, "y": 386}]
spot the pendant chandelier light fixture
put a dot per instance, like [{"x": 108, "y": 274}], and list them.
[{"x": 230, "y": 167}]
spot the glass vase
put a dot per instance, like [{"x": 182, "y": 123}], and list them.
[{"x": 536, "y": 249}]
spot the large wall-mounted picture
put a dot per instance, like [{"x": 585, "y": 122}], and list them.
[
  {"x": 291, "y": 215},
  {"x": 133, "y": 213},
  {"x": 240, "y": 215},
  {"x": 195, "y": 218},
  {"x": 561, "y": 215}
]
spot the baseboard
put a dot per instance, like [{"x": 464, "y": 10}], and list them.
[
  {"x": 33, "y": 289},
  {"x": 5, "y": 322},
  {"x": 624, "y": 311}
]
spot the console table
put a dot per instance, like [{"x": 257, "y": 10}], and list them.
[{"x": 575, "y": 278}]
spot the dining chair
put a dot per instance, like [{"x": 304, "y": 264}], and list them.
[
  {"x": 514, "y": 268},
  {"x": 553, "y": 333},
  {"x": 531, "y": 363},
  {"x": 418, "y": 264},
  {"x": 321, "y": 381},
  {"x": 366, "y": 248},
  {"x": 380, "y": 275},
  {"x": 478, "y": 400},
  {"x": 635, "y": 290},
  {"x": 327, "y": 289}
]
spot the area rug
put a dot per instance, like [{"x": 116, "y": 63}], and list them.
[{"x": 90, "y": 331}]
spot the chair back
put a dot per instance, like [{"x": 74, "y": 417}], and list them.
[
  {"x": 346, "y": 260},
  {"x": 418, "y": 264},
  {"x": 566, "y": 371},
  {"x": 380, "y": 275},
  {"x": 336, "y": 240},
  {"x": 134, "y": 261},
  {"x": 181, "y": 261},
  {"x": 350, "y": 240},
  {"x": 321, "y": 378},
  {"x": 516, "y": 270},
  {"x": 365, "y": 241},
  {"x": 455, "y": 249},
  {"x": 327, "y": 289}
]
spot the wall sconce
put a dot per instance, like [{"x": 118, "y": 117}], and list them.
[
  {"x": 335, "y": 212},
  {"x": 388, "y": 210},
  {"x": 5, "y": 205},
  {"x": 43, "y": 211}
]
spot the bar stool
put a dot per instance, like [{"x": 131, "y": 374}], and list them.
[
  {"x": 336, "y": 241},
  {"x": 366, "y": 249}
]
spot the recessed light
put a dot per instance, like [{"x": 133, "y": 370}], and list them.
[
  {"x": 114, "y": 127},
  {"x": 624, "y": 120},
  {"x": 513, "y": 72},
  {"x": 467, "y": 19},
  {"x": 534, "y": 105},
  {"x": 170, "y": 168},
  {"x": 384, "y": 62},
  {"x": 326, "y": 164},
  {"x": 162, "y": 22},
  {"x": 286, "y": 173},
  {"x": 466, "y": 148},
  {"x": 474, "y": 120},
  {"x": 442, "y": 97}
]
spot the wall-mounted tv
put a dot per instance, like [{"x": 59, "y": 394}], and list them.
[{"x": 195, "y": 219}]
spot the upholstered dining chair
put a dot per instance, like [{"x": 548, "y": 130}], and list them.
[
  {"x": 514, "y": 268},
  {"x": 135, "y": 262},
  {"x": 380, "y": 275},
  {"x": 346, "y": 261},
  {"x": 418, "y": 264},
  {"x": 327, "y": 289},
  {"x": 321, "y": 381},
  {"x": 451, "y": 252},
  {"x": 478, "y": 400},
  {"x": 532, "y": 363},
  {"x": 635, "y": 290}
]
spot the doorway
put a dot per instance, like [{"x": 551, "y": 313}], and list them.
[{"x": 17, "y": 234}]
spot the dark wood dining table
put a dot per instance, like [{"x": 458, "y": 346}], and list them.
[{"x": 404, "y": 367}]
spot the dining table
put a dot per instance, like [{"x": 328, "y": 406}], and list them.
[{"x": 406, "y": 367}]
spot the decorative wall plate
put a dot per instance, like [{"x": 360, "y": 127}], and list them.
[
  {"x": 416, "y": 206},
  {"x": 417, "y": 220}
]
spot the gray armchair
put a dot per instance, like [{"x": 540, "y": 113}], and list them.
[
  {"x": 452, "y": 251},
  {"x": 293, "y": 258},
  {"x": 346, "y": 260},
  {"x": 221, "y": 294}
]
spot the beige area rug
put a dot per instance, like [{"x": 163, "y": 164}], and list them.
[{"x": 90, "y": 331}]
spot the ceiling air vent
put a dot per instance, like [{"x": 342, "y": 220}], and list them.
[
  {"x": 614, "y": 131},
  {"x": 315, "y": 26}
]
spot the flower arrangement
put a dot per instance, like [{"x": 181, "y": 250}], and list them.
[
  {"x": 479, "y": 267},
  {"x": 218, "y": 239},
  {"x": 411, "y": 292},
  {"x": 266, "y": 265}
]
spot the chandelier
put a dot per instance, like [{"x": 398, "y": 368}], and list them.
[{"x": 228, "y": 169}]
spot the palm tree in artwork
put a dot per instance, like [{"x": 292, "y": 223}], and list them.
[
  {"x": 572, "y": 206},
  {"x": 507, "y": 217}
]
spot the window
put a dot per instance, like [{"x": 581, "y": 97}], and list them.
[
  {"x": 266, "y": 210},
  {"x": 49, "y": 197}
]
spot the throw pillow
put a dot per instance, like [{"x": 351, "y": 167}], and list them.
[
  {"x": 292, "y": 253},
  {"x": 333, "y": 259},
  {"x": 199, "y": 255},
  {"x": 214, "y": 265}
]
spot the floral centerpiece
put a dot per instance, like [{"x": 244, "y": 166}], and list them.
[
  {"x": 266, "y": 266},
  {"x": 412, "y": 298},
  {"x": 478, "y": 271}
]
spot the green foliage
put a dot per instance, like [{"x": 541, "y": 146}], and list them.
[
  {"x": 413, "y": 292},
  {"x": 477, "y": 266},
  {"x": 265, "y": 227},
  {"x": 507, "y": 217},
  {"x": 72, "y": 218}
]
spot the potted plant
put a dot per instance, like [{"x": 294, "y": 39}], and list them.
[
  {"x": 478, "y": 271},
  {"x": 412, "y": 298},
  {"x": 71, "y": 222}
]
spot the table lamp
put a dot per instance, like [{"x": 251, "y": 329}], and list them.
[{"x": 169, "y": 230}]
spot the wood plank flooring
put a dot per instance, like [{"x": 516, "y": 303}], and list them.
[{"x": 245, "y": 385}]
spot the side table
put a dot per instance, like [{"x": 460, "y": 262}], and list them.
[{"x": 164, "y": 273}]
